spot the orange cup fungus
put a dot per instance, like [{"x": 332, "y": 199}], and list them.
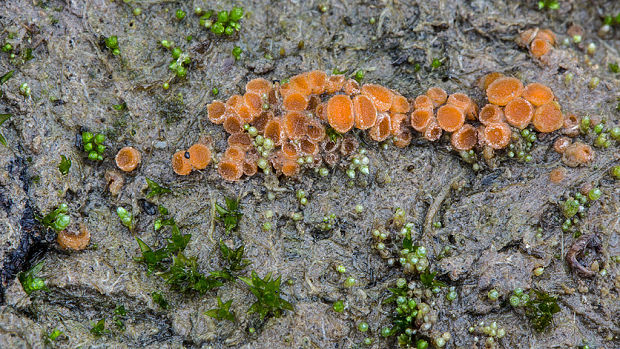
[
  {"x": 519, "y": 113},
  {"x": 381, "y": 97},
  {"x": 199, "y": 156},
  {"x": 285, "y": 127},
  {"x": 365, "y": 112},
  {"x": 538, "y": 94},
  {"x": 490, "y": 113},
  {"x": 340, "y": 113},
  {"x": 548, "y": 118},
  {"x": 497, "y": 135},
  {"x": 503, "y": 90},
  {"x": 464, "y": 138},
  {"x": 181, "y": 164},
  {"x": 450, "y": 118},
  {"x": 437, "y": 95},
  {"x": 127, "y": 159},
  {"x": 539, "y": 41}
]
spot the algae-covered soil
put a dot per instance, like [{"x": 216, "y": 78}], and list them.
[{"x": 489, "y": 227}]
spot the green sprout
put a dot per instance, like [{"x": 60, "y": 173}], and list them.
[
  {"x": 126, "y": 217},
  {"x": 98, "y": 328},
  {"x": 29, "y": 280},
  {"x": 548, "y": 4},
  {"x": 267, "y": 293},
  {"x": 428, "y": 279},
  {"x": 540, "y": 309},
  {"x": 64, "y": 165},
  {"x": 436, "y": 63},
  {"x": 222, "y": 312},
  {"x": 3, "y": 118},
  {"x": 230, "y": 214},
  {"x": 184, "y": 275},
  {"x": 180, "y": 14},
  {"x": 111, "y": 42},
  {"x": 338, "y": 306},
  {"x": 159, "y": 299},
  {"x": 53, "y": 335},
  {"x": 359, "y": 76},
  {"x": 234, "y": 259},
  {"x": 236, "y": 52},
  {"x": 24, "y": 89},
  {"x": 120, "y": 315},
  {"x": 93, "y": 145},
  {"x": 57, "y": 219},
  {"x": 155, "y": 189},
  {"x": 226, "y": 22}
]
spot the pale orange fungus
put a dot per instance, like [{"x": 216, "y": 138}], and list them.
[
  {"x": 538, "y": 94},
  {"x": 539, "y": 47},
  {"x": 241, "y": 140},
  {"x": 181, "y": 164},
  {"x": 315, "y": 131},
  {"x": 547, "y": 35},
  {"x": 261, "y": 120},
  {"x": 527, "y": 36},
  {"x": 340, "y": 113},
  {"x": 290, "y": 150},
  {"x": 450, "y": 118},
  {"x": 488, "y": 79},
  {"x": 71, "y": 241},
  {"x": 420, "y": 119},
  {"x": 348, "y": 145},
  {"x": 351, "y": 87},
  {"x": 397, "y": 120},
  {"x": 317, "y": 80},
  {"x": 235, "y": 101},
  {"x": 259, "y": 86},
  {"x": 519, "y": 113},
  {"x": 464, "y": 138},
  {"x": 245, "y": 113},
  {"x": 335, "y": 83},
  {"x": 433, "y": 131},
  {"x": 290, "y": 167},
  {"x": 300, "y": 84},
  {"x": 365, "y": 112},
  {"x": 254, "y": 103},
  {"x": 216, "y": 112},
  {"x": 249, "y": 167},
  {"x": 295, "y": 101},
  {"x": 230, "y": 170},
  {"x": 463, "y": 102},
  {"x": 437, "y": 95},
  {"x": 490, "y": 113},
  {"x": 571, "y": 126},
  {"x": 497, "y": 135},
  {"x": 308, "y": 147},
  {"x": 557, "y": 174},
  {"x": 199, "y": 156},
  {"x": 578, "y": 154},
  {"x": 127, "y": 159},
  {"x": 381, "y": 97},
  {"x": 321, "y": 111},
  {"x": 382, "y": 128},
  {"x": 233, "y": 124},
  {"x": 423, "y": 102},
  {"x": 548, "y": 118},
  {"x": 403, "y": 138},
  {"x": 504, "y": 90},
  {"x": 295, "y": 125},
  {"x": 234, "y": 154},
  {"x": 561, "y": 144},
  {"x": 400, "y": 104},
  {"x": 275, "y": 131}
]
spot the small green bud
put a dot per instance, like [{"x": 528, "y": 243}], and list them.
[
  {"x": 180, "y": 14},
  {"x": 236, "y": 14},
  {"x": 99, "y": 138},
  {"x": 93, "y": 156}
]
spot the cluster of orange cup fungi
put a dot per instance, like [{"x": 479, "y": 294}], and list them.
[
  {"x": 538, "y": 41},
  {"x": 197, "y": 157},
  {"x": 290, "y": 119}
]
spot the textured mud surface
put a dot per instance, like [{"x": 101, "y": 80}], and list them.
[{"x": 490, "y": 218}]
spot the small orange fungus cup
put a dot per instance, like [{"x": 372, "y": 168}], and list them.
[{"x": 127, "y": 159}]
